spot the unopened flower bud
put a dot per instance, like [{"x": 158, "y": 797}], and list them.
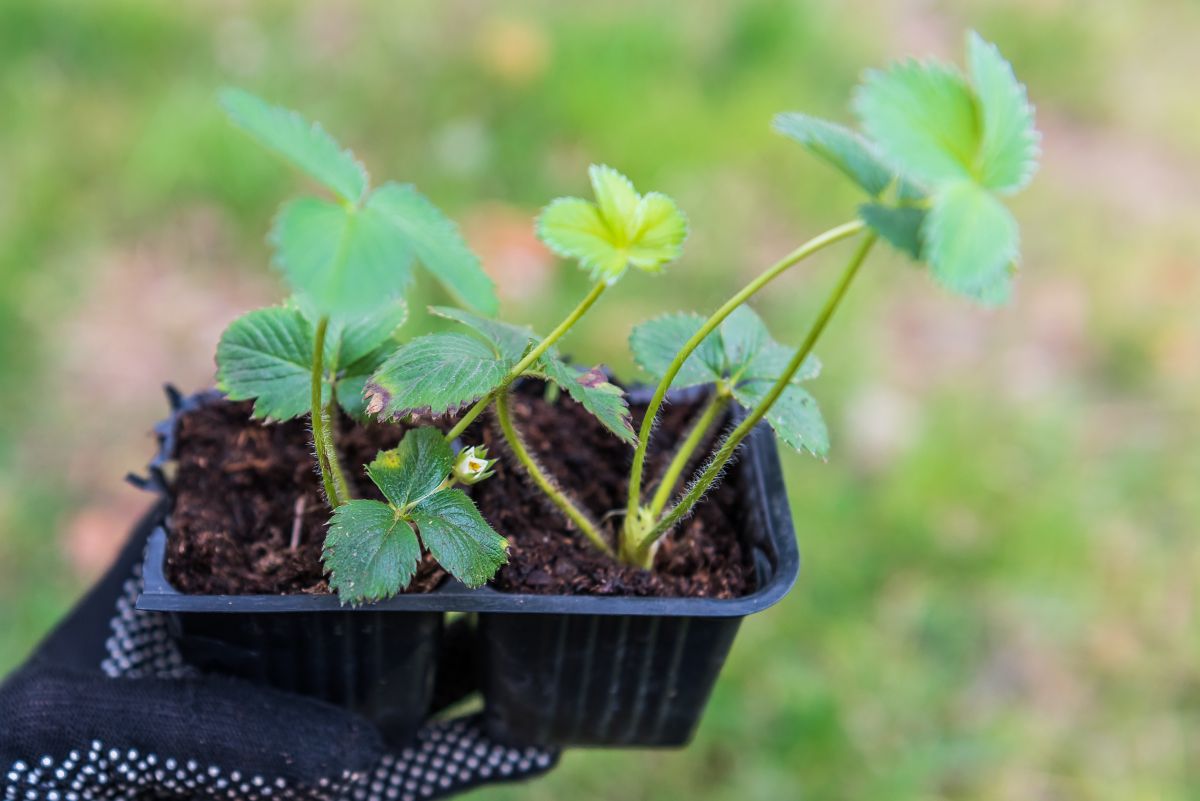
[{"x": 473, "y": 466}]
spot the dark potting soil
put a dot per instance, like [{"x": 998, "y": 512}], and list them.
[{"x": 242, "y": 488}]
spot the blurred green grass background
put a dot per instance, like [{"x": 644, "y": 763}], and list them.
[{"x": 998, "y": 595}]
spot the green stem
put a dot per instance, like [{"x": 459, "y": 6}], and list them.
[
  {"x": 713, "y": 469},
  {"x": 321, "y": 439},
  {"x": 530, "y": 359},
  {"x": 810, "y": 247},
  {"x": 544, "y": 483},
  {"x": 335, "y": 465},
  {"x": 712, "y": 410}
]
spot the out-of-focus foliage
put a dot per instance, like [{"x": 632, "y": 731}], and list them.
[{"x": 998, "y": 594}]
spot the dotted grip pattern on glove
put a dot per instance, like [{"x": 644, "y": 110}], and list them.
[{"x": 146, "y": 725}]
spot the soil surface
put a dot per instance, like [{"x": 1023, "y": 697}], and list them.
[{"x": 243, "y": 488}]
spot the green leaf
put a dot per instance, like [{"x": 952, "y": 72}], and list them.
[
  {"x": 352, "y": 385},
  {"x": 370, "y": 552},
  {"x": 840, "y": 147},
  {"x": 923, "y": 118},
  {"x": 772, "y": 359},
  {"x": 795, "y": 416},
  {"x": 459, "y": 538},
  {"x": 437, "y": 373},
  {"x": 511, "y": 341},
  {"x": 592, "y": 390},
  {"x": 656, "y": 342},
  {"x": 414, "y": 469},
  {"x": 740, "y": 348},
  {"x": 342, "y": 261},
  {"x": 437, "y": 243},
  {"x": 621, "y": 228},
  {"x": 1009, "y": 152},
  {"x": 899, "y": 226},
  {"x": 267, "y": 355},
  {"x": 301, "y": 142},
  {"x": 354, "y": 338},
  {"x": 971, "y": 241}
]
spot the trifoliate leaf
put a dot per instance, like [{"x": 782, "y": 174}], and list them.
[
  {"x": 305, "y": 144},
  {"x": 899, "y": 226},
  {"x": 370, "y": 552},
  {"x": 740, "y": 348},
  {"x": 619, "y": 229},
  {"x": 795, "y": 416},
  {"x": 656, "y": 342},
  {"x": 459, "y": 538},
  {"x": 592, "y": 390},
  {"x": 351, "y": 386},
  {"x": 437, "y": 243},
  {"x": 266, "y": 355},
  {"x": 342, "y": 260},
  {"x": 350, "y": 339},
  {"x": 923, "y": 118},
  {"x": 437, "y": 373},
  {"x": 772, "y": 359},
  {"x": 414, "y": 469},
  {"x": 840, "y": 147},
  {"x": 1009, "y": 151},
  {"x": 511, "y": 341},
  {"x": 971, "y": 240}
]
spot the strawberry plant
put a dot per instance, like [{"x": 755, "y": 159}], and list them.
[
  {"x": 348, "y": 260},
  {"x": 938, "y": 151}
]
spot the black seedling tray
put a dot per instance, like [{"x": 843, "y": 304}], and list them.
[{"x": 560, "y": 670}]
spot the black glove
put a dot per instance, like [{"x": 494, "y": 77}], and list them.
[{"x": 107, "y": 708}]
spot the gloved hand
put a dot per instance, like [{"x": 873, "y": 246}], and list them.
[{"x": 107, "y": 708}]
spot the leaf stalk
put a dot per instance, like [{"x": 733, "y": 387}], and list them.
[
  {"x": 517, "y": 445},
  {"x": 810, "y": 247},
  {"x": 714, "y": 467}
]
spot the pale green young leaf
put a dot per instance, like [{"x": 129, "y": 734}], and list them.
[
  {"x": 841, "y": 147},
  {"x": 370, "y": 553},
  {"x": 795, "y": 416},
  {"x": 573, "y": 228},
  {"x": 621, "y": 228},
  {"x": 899, "y": 226},
  {"x": 266, "y": 355},
  {"x": 511, "y": 341},
  {"x": 617, "y": 200},
  {"x": 459, "y": 538},
  {"x": 305, "y": 144},
  {"x": 414, "y": 469},
  {"x": 924, "y": 119},
  {"x": 592, "y": 390},
  {"x": 437, "y": 373},
  {"x": 1009, "y": 151},
  {"x": 971, "y": 240},
  {"x": 342, "y": 261},
  {"x": 655, "y": 343},
  {"x": 662, "y": 229},
  {"x": 437, "y": 243}
]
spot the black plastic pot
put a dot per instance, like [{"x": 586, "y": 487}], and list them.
[{"x": 556, "y": 670}]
